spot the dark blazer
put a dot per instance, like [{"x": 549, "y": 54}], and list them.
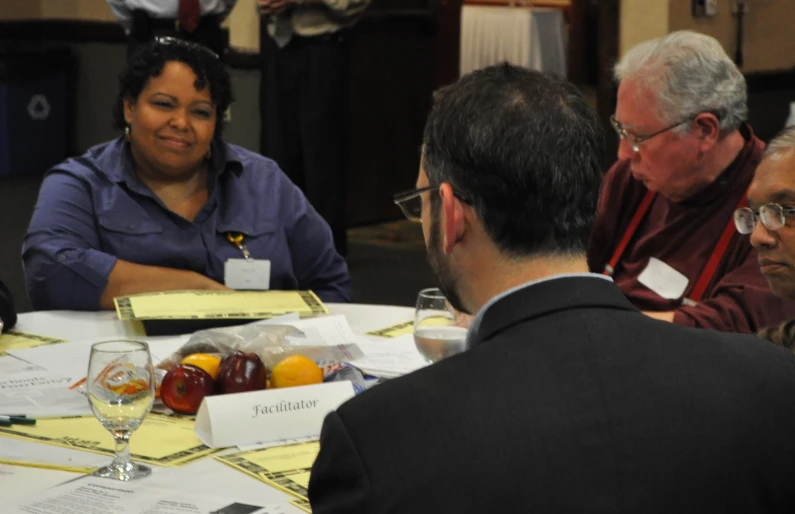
[
  {"x": 7, "y": 312},
  {"x": 571, "y": 401}
]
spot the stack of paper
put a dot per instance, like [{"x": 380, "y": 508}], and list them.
[
  {"x": 389, "y": 358},
  {"x": 91, "y": 494},
  {"x": 40, "y": 394}
]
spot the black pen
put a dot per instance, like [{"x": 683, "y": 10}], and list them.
[{"x": 17, "y": 420}]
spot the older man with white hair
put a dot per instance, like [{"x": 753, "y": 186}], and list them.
[{"x": 665, "y": 231}]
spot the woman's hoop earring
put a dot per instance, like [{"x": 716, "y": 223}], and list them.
[{"x": 127, "y": 132}]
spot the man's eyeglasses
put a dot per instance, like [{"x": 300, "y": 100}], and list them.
[
  {"x": 168, "y": 40},
  {"x": 772, "y": 215},
  {"x": 634, "y": 139},
  {"x": 410, "y": 202}
]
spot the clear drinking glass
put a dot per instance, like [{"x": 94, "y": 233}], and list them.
[
  {"x": 437, "y": 333},
  {"x": 121, "y": 391}
]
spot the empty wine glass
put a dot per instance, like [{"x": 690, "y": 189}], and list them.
[
  {"x": 121, "y": 391},
  {"x": 437, "y": 332}
]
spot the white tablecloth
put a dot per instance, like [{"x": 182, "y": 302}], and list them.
[
  {"x": 530, "y": 37},
  {"x": 207, "y": 475}
]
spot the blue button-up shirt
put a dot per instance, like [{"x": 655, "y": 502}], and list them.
[{"x": 93, "y": 210}]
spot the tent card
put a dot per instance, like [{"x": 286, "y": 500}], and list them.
[{"x": 264, "y": 416}]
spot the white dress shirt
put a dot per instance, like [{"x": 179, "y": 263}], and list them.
[
  {"x": 167, "y": 9},
  {"x": 315, "y": 19}
]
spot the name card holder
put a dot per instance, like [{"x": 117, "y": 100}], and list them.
[{"x": 269, "y": 415}]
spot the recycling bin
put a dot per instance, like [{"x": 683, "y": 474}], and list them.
[{"x": 34, "y": 96}]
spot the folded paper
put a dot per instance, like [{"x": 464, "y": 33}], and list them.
[{"x": 269, "y": 415}]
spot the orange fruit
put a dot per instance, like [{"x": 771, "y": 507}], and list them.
[
  {"x": 206, "y": 361},
  {"x": 296, "y": 371}
]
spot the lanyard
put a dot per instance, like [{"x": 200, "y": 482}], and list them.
[
  {"x": 706, "y": 275},
  {"x": 237, "y": 240}
]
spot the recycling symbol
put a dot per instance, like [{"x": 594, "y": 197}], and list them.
[{"x": 39, "y": 107}]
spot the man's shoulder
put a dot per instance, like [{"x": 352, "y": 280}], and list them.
[{"x": 716, "y": 350}]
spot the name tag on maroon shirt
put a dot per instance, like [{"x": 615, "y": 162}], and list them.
[{"x": 663, "y": 279}]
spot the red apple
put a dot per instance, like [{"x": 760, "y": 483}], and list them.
[
  {"x": 241, "y": 372},
  {"x": 184, "y": 387}
]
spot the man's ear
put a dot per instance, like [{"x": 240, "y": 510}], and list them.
[
  {"x": 453, "y": 223},
  {"x": 708, "y": 129}
]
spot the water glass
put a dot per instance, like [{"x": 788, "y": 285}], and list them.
[
  {"x": 121, "y": 391},
  {"x": 437, "y": 333}
]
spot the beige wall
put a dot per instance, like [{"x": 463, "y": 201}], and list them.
[
  {"x": 243, "y": 22},
  {"x": 642, "y": 20},
  {"x": 85, "y": 10},
  {"x": 244, "y": 26},
  {"x": 769, "y": 42}
]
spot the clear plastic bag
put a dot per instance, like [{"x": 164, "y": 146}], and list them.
[{"x": 272, "y": 343}]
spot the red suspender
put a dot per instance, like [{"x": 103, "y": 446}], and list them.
[
  {"x": 643, "y": 208},
  {"x": 709, "y": 269},
  {"x": 717, "y": 255}
]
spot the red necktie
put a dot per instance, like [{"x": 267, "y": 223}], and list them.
[{"x": 189, "y": 15}]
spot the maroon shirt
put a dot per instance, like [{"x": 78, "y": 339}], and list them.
[{"x": 684, "y": 235}]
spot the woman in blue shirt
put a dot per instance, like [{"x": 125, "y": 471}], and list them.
[{"x": 159, "y": 208}]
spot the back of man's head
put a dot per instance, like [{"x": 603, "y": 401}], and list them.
[
  {"x": 689, "y": 73},
  {"x": 526, "y": 150}
]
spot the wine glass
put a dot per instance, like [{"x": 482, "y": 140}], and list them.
[
  {"x": 437, "y": 332},
  {"x": 121, "y": 391}
]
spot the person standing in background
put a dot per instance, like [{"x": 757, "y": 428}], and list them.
[
  {"x": 303, "y": 100},
  {"x": 8, "y": 315},
  {"x": 198, "y": 21}
]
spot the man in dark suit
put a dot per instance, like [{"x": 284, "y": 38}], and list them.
[
  {"x": 568, "y": 400},
  {"x": 8, "y": 315}
]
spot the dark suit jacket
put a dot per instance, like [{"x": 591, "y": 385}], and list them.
[
  {"x": 7, "y": 312},
  {"x": 571, "y": 401}
]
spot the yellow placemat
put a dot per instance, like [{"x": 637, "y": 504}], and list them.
[
  {"x": 16, "y": 340},
  {"x": 217, "y": 305},
  {"x": 162, "y": 440},
  {"x": 46, "y": 465},
  {"x": 286, "y": 468},
  {"x": 407, "y": 327},
  {"x": 302, "y": 504}
]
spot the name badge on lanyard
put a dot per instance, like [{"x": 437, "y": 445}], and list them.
[
  {"x": 663, "y": 279},
  {"x": 246, "y": 273}
]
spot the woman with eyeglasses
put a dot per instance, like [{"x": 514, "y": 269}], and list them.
[{"x": 169, "y": 205}]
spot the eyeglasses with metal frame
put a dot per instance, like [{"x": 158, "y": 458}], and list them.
[
  {"x": 634, "y": 139},
  {"x": 772, "y": 215},
  {"x": 410, "y": 202}
]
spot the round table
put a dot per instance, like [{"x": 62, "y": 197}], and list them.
[
  {"x": 83, "y": 325},
  {"x": 206, "y": 475}
]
